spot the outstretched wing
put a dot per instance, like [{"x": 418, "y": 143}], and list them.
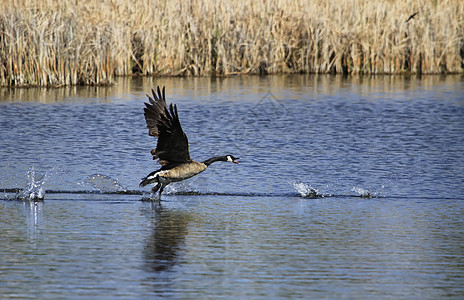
[
  {"x": 154, "y": 110},
  {"x": 172, "y": 146}
]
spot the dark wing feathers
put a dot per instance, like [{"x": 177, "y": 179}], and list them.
[
  {"x": 154, "y": 110},
  {"x": 172, "y": 146}
]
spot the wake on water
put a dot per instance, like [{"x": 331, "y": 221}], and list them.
[
  {"x": 367, "y": 193},
  {"x": 102, "y": 184},
  {"x": 306, "y": 190},
  {"x": 35, "y": 186}
]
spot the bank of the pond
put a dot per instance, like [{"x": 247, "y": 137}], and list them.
[{"x": 55, "y": 43}]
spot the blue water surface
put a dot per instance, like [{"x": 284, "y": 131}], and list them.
[{"x": 384, "y": 155}]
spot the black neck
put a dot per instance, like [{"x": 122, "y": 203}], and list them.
[{"x": 214, "y": 159}]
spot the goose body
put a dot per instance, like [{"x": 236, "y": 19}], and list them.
[
  {"x": 178, "y": 173},
  {"x": 172, "y": 149}
]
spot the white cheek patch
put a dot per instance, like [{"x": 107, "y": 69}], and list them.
[{"x": 229, "y": 159}]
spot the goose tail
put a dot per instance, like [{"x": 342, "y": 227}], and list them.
[
  {"x": 144, "y": 182},
  {"x": 149, "y": 179}
]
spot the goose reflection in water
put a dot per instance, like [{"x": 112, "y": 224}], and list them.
[{"x": 167, "y": 238}]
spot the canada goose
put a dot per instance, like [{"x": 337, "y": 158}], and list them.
[{"x": 172, "y": 149}]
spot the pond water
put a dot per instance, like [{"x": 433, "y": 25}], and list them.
[{"x": 346, "y": 188}]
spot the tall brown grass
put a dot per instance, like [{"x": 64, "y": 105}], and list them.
[{"x": 68, "y": 42}]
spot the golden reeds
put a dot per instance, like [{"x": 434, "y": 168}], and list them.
[{"x": 68, "y": 42}]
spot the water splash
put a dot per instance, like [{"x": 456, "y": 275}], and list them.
[
  {"x": 364, "y": 193},
  {"x": 178, "y": 188},
  {"x": 35, "y": 188},
  {"x": 182, "y": 187},
  {"x": 306, "y": 190},
  {"x": 104, "y": 184}
]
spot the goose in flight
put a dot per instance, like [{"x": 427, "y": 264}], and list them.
[{"x": 172, "y": 149}]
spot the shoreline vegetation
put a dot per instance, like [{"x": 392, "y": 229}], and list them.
[{"x": 69, "y": 42}]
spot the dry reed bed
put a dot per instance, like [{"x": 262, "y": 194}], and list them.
[{"x": 68, "y": 42}]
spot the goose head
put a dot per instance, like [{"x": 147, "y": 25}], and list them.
[{"x": 231, "y": 158}]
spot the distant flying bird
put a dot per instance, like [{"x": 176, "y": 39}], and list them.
[
  {"x": 172, "y": 148},
  {"x": 412, "y": 16}
]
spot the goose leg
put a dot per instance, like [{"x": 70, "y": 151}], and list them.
[
  {"x": 156, "y": 188},
  {"x": 161, "y": 190}
]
